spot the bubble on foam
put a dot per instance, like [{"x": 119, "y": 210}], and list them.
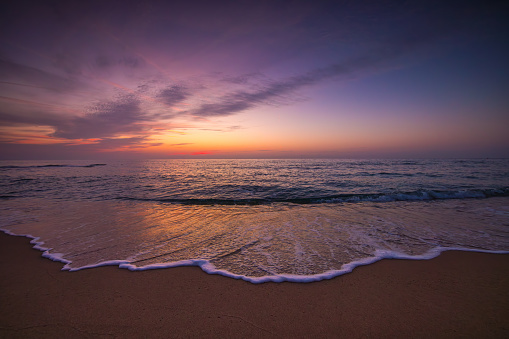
[{"x": 209, "y": 268}]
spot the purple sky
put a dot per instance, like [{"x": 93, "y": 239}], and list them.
[{"x": 261, "y": 79}]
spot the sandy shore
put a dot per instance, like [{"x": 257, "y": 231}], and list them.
[{"x": 458, "y": 294}]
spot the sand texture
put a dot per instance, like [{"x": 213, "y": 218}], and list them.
[{"x": 458, "y": 294}]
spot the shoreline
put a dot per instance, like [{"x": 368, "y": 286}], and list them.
[
  {"x": 457, "y": 294},
  {"x": 204, "y": 265}
]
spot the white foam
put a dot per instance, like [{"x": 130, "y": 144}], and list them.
[
  {"x": 209, "y": 268},
  {"x": 38, "y": 245}
]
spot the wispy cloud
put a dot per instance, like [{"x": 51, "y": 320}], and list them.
[
  {"x": 374, "y": 60},
  {"x": 242, "y": 79},
  {"x": 105, "y": 120},
  {"x": 18, "y": 73},
  {"x": 125, "y": 143},
  {"x": 106, "y": 62},
  {"x": 226, "y": 129},
  {"x": 182, "y": 144},
  {"x": 133, "y": 113},
  {"x": 37, "y": 113},
  {"x": 242, "y": 100},
  {"x": 119, "y": 74}
]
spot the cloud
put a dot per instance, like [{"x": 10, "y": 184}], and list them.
[
  {"x": 127, "y": 114},
  {"x": 102, "y": 62},
  {"x": 72, "y": 50},
  {"x": 239, "y": 101},
  {"x": 226, "y": 129},
  {"x": 241, "y": 79},
  {"x": 131, "y": 61},
  {"x": 11, "y": 120},
  {"x": 115, "y": 143},
  {"x": 182, "y": 144},
  {"x": 106, "y": 119},
  {"x": 128, "y": 147},
  {"x": 124, "y": 115},
  {"x": 32, "y": 76},
  {"x": 38, "y": 114},
  {"x": 373, "y": 60},
  {"x": 173, "y": 95}
]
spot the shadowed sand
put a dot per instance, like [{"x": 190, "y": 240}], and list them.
[{"x": 458, "y": 294}]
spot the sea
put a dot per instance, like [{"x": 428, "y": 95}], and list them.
[{"x": 257, "y": 220}]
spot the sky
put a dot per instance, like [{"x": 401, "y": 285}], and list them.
[{"x": 254, "y": 79}]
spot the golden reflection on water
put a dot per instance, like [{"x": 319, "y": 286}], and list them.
[{"x": 256, "y": 240}]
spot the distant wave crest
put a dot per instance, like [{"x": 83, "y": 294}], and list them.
[
  {"x": 50, "y": 166},
  {"x": 341, "y": 198}
]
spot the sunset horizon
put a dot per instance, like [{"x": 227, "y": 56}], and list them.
[
  {"x": 253, "y": 80},
  {"x": 254, "y": 169}
]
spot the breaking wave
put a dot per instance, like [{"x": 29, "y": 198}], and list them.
[{"x": 421, "y": 195}]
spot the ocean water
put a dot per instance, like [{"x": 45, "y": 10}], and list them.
[{"x": 258, "y": 220}]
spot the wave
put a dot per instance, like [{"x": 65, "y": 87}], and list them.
[
  {"x": 50, "y": 166},
  {"x": 420, "y": 195},
  {"x": 209, "y": 267},
  {"x": 5, "y": 197}
]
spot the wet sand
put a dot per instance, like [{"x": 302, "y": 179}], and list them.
[{"x": 458, "y": 294}]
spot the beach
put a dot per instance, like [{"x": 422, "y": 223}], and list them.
[
  {"x": 458, "y": 294},
  {"x": 254, "y": 169}
]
